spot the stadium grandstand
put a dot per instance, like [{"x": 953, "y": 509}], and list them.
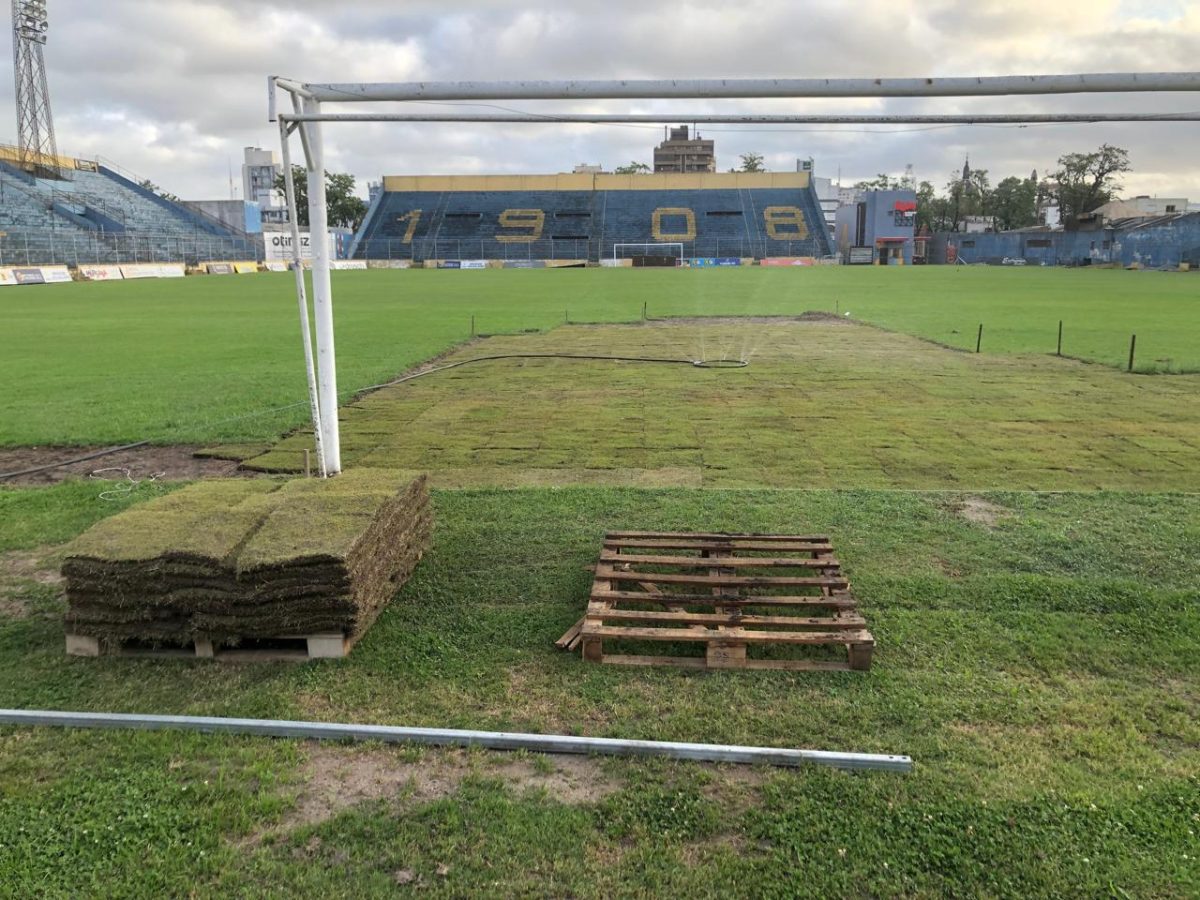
[
  {"x": 90, "y": 213},
  {"x": 590, "y": 217}
]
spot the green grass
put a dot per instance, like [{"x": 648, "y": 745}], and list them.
[
  {"x": 1041, "y": 670},
  {"x": 1040, "y": 666},
  {"x": 821, "y": 405},
  {"x": 88, "y": 363}
]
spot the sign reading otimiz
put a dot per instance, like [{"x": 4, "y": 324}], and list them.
[{"x": 279, "y": 244}]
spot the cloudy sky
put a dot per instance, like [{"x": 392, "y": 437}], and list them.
[{"x": 174, "y": 90}]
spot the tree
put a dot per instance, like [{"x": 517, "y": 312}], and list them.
[
  {"x": 634, "y": 168},
  {"x": 880, "y": 182},
  {"x": 1013, "y": 203},
  {"x": 155, "y": 189},
  {"x": 933, "y": 212},
  {"x": 752, "y": 162},
  {"x": 968, "y": 194},
  {"x": 345, "y": 209},
  {"x": 1084, "y": 181}
]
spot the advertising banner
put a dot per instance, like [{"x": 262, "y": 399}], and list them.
[
  {"x": 710, "y": 262},
  {"x": 616, "y": 263},
  {"x": 29, "y": 276},
  {"x": 862, "y": 256},
  {"x": 245, "y": 268},
  {"x": 56, "y": 274},
  {"x": 275, "y": 266},
  {"x": 449, "y": 264},
  {"x": 473, "y": 264},
  {"x": 566, "y": 263},
  {"x": 389, "y": 264},
  {"x": 787, "y": 261},
  {"x": 343, "y": 265},
  {"x": 219, "y": 268},
  {"x": 101, "y": 273},
  {"x": 524, "y": 264},
  {"x": 278, "y": 244},
  {"x": 7, "y": 278},
  {"x": 153, "y": 270}
]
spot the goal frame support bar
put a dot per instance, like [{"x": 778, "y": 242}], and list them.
[
  {"x": 308, "y": 117},
  {"x": 652, "y": 245}
]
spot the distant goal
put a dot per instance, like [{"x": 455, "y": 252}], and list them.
[{"x": 653, "y": 254}]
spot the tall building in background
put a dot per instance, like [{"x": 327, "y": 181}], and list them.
[
  {"x": 260, "y": 168},
  {"x": 35, "y": 124},
  {"x": 681, "y": 153}
]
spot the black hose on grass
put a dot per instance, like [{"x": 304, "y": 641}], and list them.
[
  {"x": 70, "y": 462},
  {"x": 698, "y": 363}
]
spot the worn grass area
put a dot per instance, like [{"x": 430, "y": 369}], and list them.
[
  {"x": 822, "y": 404},
  {"x": 85, "y": 363},
  {"x": 1037, "y": 656}
]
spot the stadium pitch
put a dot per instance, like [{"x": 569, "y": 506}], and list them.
[{"x": 1036, "y": 650}]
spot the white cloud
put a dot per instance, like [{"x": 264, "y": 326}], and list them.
[{"x": 174, "y": 91}]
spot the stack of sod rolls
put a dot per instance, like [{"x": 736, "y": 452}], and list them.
[{"x": 248, "y": 559}]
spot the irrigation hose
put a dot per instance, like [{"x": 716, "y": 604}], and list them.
[{"x": 695, "y": 363}]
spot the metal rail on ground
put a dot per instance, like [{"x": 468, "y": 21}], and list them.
[{"x": 445, "y": 737}]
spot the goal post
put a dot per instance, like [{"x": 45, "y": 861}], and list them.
[
  {"x": 307, "y": 117},
  {"x": 658, "y": 245}
]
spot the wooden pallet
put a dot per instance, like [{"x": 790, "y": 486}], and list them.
[
  {"x": 733, "y": 593},
  {"x": 281, "y": 649}
]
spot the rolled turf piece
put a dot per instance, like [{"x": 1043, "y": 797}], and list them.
[{"x": 248, "y": 559}]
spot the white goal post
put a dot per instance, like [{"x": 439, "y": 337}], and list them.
[
  {"x": 307, "y": 115},
  {"x": 617, "y": 248}
]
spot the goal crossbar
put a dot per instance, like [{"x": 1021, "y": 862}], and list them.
[
  {"x": 307, "y": 117},
  {"x": 653, "y": 245}
]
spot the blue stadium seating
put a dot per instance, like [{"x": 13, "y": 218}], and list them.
[
  {"x": 572, "y": 224},
  {"x": 100, "y": 216}
]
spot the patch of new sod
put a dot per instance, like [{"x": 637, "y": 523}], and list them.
[
  {"x": 822, "y": 404},
  {"x": 83, "y": 364},
  {"x": 226, "y": 560},
  {"x": 1036, "y": 656}
]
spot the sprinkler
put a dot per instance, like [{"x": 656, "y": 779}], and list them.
[{"x": 721, "y": 363}]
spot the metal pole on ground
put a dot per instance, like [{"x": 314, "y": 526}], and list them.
[
  {"x": 1132, "y": 348},
  {"x": 1059, "y": 353},
  {"x": 445, "y": 737},
  {"x": 979, "y": 338},
  {"x": 318, "y": 226}
]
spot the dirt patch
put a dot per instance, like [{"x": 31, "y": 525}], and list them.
[
  {"x": 337, "y": 778},
  {"x": 174, "y": 463},
  {"x": 980, "y": 512},
  {"x": 40, "y": 565},
  {"x": 18, "y": 569},
  {"x": 573, "y": 780}
]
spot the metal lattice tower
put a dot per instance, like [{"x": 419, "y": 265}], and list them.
[{"x": 35, "y": 124}]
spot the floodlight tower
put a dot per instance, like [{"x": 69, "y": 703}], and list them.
[{"x": 35, "y": 124}]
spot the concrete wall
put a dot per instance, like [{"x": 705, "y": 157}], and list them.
[
  {"x": 1156, "y": 245},
  {"x": 237, "y": 214}
]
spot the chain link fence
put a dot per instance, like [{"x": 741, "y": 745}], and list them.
[
  {"x": 53, "y": 248},
  {"x": 419, "y": 250}
]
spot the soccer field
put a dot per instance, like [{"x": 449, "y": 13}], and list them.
[
  {"x": 204, "y": 360},
  {"x": 1036, "y": 649}
]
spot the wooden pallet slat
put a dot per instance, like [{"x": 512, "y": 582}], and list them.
[
  {"x": 721, "y": 581},
  {"x": 729, "y": 562},
  {"x": 284, "y": 648},
  {"x": 840, "y": 600},
  {"x": 743, "y": 545},
  {"x": 707, "y": 597},
  {"x": 728, "y": 619}
]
